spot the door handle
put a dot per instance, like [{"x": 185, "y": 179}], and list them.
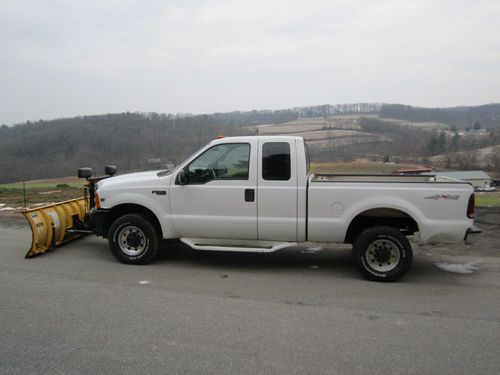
[{"x": 249, "y": 195}]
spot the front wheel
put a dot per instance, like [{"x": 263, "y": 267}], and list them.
[
  {"x": 382, "y": 253},
  {"x": 133, "y": 239}
]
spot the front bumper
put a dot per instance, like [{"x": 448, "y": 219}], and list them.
[{"x": 97, "y": 220}]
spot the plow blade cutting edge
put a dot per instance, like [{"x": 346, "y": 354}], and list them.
[{"x": 52, "y": 225}]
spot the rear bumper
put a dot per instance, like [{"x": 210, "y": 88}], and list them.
[
  {"x": 472, "y": 230},
  {"x": 97, "y": 220}
]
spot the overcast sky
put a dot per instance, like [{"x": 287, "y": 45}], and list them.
[{"x": 62, "y": 58}]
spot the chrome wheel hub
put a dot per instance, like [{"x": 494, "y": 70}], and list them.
[
  {"x": 382, "y": 255},
  {"x": 132, "y": 240}
]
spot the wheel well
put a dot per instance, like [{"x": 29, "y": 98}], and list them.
[
  {"x": 129, "y": 208},
  {"x": 381, "y": 216}
]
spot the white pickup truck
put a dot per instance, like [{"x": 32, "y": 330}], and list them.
[{"x": 255, "y": 194}]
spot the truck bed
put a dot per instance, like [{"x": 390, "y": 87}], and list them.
[{"x": 438, "y": 205}]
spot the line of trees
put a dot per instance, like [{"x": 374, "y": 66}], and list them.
[
  {"x": 444, "y": 142},
  {"x": 133, "y": 141},
  {"x": 46, "y": 149},
  {"x": 460, "y": 117}
]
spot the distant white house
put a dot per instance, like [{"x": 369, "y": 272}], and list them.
[{"x": 479, "y": 179}]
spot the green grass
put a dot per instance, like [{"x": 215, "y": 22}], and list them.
[
  {"x": 40, "y": 191},
  {"x": 488, "y": 199},
  {"x": 41, "y": 184},
  {"x": 15, "y": 197}
]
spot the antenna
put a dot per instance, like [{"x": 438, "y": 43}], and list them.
[{"x": 24, "y": 195}]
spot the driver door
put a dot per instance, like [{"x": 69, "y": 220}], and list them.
[{"x": 218, "y": 198}]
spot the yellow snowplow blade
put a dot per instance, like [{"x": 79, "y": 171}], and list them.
[{"x": 50, "y": 224}]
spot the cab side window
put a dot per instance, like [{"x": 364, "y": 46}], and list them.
[
  {"x": 276, "y": 161},
  {"x": 222, "y": 162}
]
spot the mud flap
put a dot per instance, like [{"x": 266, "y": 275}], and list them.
[{"x": 51, "y": 224}]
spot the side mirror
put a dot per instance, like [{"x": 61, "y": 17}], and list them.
[
  {"x": 110, "y": 170},
  {"x": 182, "y": 177},
  {"x": 85, "y": 172}
]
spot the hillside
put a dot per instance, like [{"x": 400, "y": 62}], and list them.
[
  {"x": 135, "y": 141},
  {"x": 487, "y": 158},
  {"x": 488, "y": 116},
  {"x": 332, "y": 136}
]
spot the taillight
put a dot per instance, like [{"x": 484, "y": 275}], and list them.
[
  {"x": 97, "y": 201},
  {"x": 470, "y": 207}
]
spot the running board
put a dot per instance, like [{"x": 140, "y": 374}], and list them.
[{"x": 250, "y": 246}]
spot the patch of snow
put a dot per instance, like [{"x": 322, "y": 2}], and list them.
[
  {"x": 2, "y": 208},
  {"x": 144, "y": 282},
  {"x": 49, "y": 192},
  {"x": 458, "y": 268}
]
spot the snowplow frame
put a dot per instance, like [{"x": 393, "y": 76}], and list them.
[{"x": 54, "y": 224}]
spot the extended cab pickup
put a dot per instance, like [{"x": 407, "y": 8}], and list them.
[{"x": 255, "y": 194}]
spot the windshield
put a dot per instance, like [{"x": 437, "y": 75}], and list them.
[{"x": 169, "y": 171}]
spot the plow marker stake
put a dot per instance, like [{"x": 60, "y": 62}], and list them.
[{"x": 50, "y": 224}]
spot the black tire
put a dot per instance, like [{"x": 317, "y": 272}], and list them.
[
  {"x": 133, "y": 239},
  {"x": 382, "y": 253}
]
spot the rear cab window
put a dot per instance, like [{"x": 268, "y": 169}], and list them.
[{"x": 276, "y": 161}]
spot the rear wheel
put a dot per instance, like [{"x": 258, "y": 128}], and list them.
[
  {"x": 382, "y": 253},
  {"x": 133, "y": 239}
]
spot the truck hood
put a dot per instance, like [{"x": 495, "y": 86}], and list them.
[{"x": 149, "y": 178}]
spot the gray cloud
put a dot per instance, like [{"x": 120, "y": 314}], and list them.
[{"x": 65, "y": 58}]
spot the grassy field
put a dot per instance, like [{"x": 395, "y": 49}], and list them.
[
  {"x": 46, "y": 184},
  {"x": 487, "y": 199},
  {"x": 40, "y": 191}
]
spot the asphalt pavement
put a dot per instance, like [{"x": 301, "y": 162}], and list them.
[{"x": 305, "y": 310}]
